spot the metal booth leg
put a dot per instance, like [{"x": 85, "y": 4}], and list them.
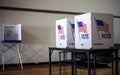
[
  {"x": 4, "y": 50},
  {"x": 2, "y": 55},
  {"x": 20, "y": 61}
]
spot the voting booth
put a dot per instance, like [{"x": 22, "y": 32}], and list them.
[
  {"x": 65, "y": 33},
  {"x": 11, "y": 38},
  {"x": 11, "y": 33},
  {"x": 94, "y": 30}
]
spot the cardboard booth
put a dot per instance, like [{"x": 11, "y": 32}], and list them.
[
  {"x": 11, "y": 33},
  {"x": 65, "y": 33},
  {"x": 94, "y": 30}
]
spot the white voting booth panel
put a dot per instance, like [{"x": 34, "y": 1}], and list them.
[
  {"x": 65, "y": 33},
  {"x": 93, "y": 30},
  {"x": 11, "y": 32},
  {"x": 11, "y": 39}
]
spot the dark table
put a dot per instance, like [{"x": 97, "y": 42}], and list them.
[{"x": 88, "y": 51}]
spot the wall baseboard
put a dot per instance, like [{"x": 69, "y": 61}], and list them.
[{"x": 40, "y": 63}]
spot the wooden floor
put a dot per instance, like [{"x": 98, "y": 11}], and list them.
[{"x": 44, "y": 70}]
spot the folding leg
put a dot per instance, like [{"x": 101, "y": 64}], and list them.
[
  {"x": 20, "y": 61},
  {"x": 2, "y": 55},
  {"x": 5, "y": 50}
]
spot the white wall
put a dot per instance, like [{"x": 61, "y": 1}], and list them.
[
  {"x": 38, "y": 29},
  {"x": 108, "y": 6}
]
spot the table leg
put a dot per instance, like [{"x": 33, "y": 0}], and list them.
[
  {"x": 73, "y": 64},
  {"x": 72, "y": 69},
  {"x": 89, "y": 62},
  {"x": 50, "y": 69},
  {"x": 116, "y": 61},
  {"x": 60, "y": 62}
]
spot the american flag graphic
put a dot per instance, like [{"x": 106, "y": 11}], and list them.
[
  {"x": 82, "y": 27},
  {"x": 60, "y": 29},
  {"x": 73, "y": 28},
  {"x": 102, "y": 26}
]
